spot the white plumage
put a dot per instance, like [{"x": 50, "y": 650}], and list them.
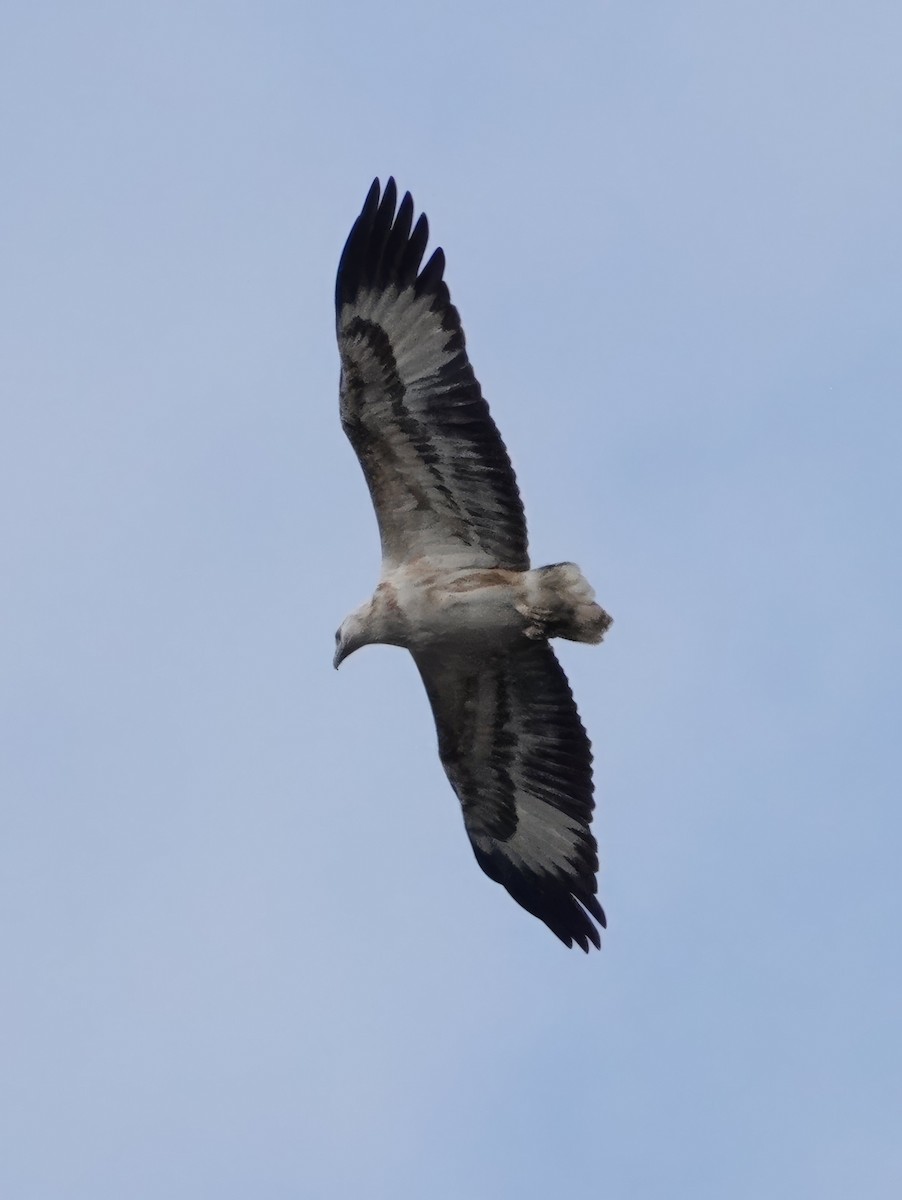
[{"x": 456, "y": 588}]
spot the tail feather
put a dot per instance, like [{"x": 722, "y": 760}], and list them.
[{"x": 560, "y": 602}]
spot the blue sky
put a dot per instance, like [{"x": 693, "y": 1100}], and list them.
[{"x": 246, "y": 948}]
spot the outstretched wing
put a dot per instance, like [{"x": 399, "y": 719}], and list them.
[
  {"x": 438, "y": 472},
  {"x": 517, "y": 755}
]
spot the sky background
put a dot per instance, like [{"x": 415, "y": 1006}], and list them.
[{"x": 245, "y": 946}]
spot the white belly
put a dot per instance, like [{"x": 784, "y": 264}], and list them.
[{"x": 460, "y": 609}]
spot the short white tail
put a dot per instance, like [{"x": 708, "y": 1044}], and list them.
[{"x": 558, "y": 601}]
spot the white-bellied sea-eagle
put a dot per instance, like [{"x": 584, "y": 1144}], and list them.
[{"x": 456, "y": 588}]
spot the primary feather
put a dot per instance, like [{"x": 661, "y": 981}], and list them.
[
  {"x": 438, "y": 472},
  {"x": 456, "y": 587}
]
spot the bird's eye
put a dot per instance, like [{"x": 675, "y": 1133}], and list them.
[{"x": 337, "y": 636}]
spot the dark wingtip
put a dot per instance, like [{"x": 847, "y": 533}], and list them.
[
  {"x": 431, "y": 275},
  {"x": 352, "y": 256},
  {"x": 566, "y": 906},
  {"x": 383, "y": 249},
  {"x": 591, "y": 905},
  {"x": 409, "y": 265}
]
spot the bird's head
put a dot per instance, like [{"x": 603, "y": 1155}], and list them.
[{"x": 351, "y": 634}]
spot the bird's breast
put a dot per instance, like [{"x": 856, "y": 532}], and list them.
[{"x": 468, "y": 609}]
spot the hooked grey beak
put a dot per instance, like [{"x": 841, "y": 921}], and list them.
[{"x": 340, "y": 655}]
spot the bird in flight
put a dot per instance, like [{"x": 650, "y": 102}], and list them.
[{"x": 456, "y": 588}]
